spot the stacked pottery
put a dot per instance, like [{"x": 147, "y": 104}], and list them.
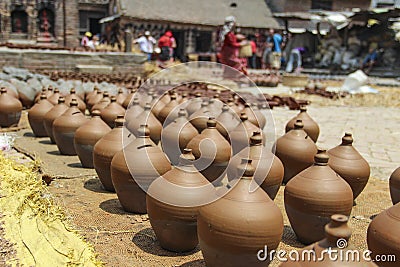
[
  {"x": 94, "y": 99},
  {"x": 168, "y": 111},
  {"x": 104, "y": 151},
  {"x": 394, "y": 184},
  {"x": 111, "y": 112},
  {"x": 383, "y": 236},
  {"x": 64, "y": 128},
  {"x": 227, "y": 121},
  {"x": 36, "y": 115},
  {"x": 10, "y": 109},
  {"x": 53, "y": 114},
  {"x": 350, "y": 165},
  {"x": 53, "y": 98},
  {"x": 310, "y": 126},
  {"x": 145, "y": 118},
  {"x": 269, "y": 169},
  {"x": 87, "y": 135},
  {"x": 337, "y": 236},
  {"x": 176, "y": 136},
  {"x": 212, "y": 151},
  {"x": 235, "y": 227},
  {"x": 173, "y": 201},
  {"x": 72, "y": 95},
  {"x": 200, "y": 117},
  {"x": 240, "y": 135},
  {"x": 134, "y": 168},
  {"x": 194, "y": 104},
  {"x": 312, "y": 196},
  {"x": 103, "y": 103},
  {"x": 296, "y": 151}
]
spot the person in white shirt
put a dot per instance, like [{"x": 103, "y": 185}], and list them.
[{"x": 146, "y": 44}]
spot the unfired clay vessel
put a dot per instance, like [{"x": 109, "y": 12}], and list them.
[
  {"x": 394, "y": 184},
  {"x": 310, "y": 126},
  {"x": 53, "y": 114},
  {"x": 227, "y": 121},
  {"x": 36, "y": 115},
  {"x": 111, "y": 112},
  {"x": 10, "y": 109},
  {"x": 73, "y": 95},
  {"x": 240, "y": 136}
]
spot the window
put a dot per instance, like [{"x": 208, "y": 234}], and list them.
[
  {"x": 321, "y": 4},
  {"x": 19, "y": 21}
]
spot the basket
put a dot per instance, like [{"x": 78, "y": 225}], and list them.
[
  {"x": 245, "y": 51},
  {"x": 295, "y": 80}
]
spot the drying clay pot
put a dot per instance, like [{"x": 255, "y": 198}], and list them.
[
  {"x": 53, "y": 98},
  {"x": 255, "y": 116},
  {"x": 10, "y": 109},
  {"x": 194, "y": 104},
  {"x": 103, "y": 103},
  {"x": 73, "y": 95},
  {"x": 240, "y": 136},
  {"x": 120, "y": 97},
  {"x": 36, "y": 115},
  {"x": 310, "y": 126},
  {"x": 128, "y": 99},
  {"x": 394, "y": 184},
  {"x": 53, "y": 114},
  {"x": 134, "y": 110},
  {"x": 200, "y": 117},
  {"x": 227, "y": 121},
  {"x": 167, "y": 110},
  {"x": 111, "y": 112},
  {"x": 94, "y": 99}
]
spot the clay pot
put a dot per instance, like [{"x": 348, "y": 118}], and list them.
[
  {"x": 110, "y": 113},
  {"x": 350, "y": 165},
  {"x": 47, "y": 92},
  {"x": 237, "y": 109},
  {"x": 233, "y": 229},
  {"x": 94, "y": 99},
  {"x": 36, "y": 115},
  {"x": 53, "y": 114},
  {"x": 313, "y": 196},
  {"x": 90, "y": 95},
  {"x": 255, "y": 116},
  {"x": 240, "y": 135},
  {"x": 141, "y": 162},
  {"x": 134, "y": 110},
  {"x": 227, "y": 121},
  {"x": 128, "y": 98},
  {"x": 87, "y": 135},
  {"x": 73, "y": 95},
  {"x": 176, "y": 136},
  {"x": 148, "y": 118},
  {"x": 215, "y": 107},
  {"x": 337, "y": 236},
  {"x": 11, "y": 92},
  {"x": 64, "y": 128},
  {"x": 103, "y": 103},
  {"x": 104, "y": 151},
  {"x": 394, "y": 184},
  {"x": 296, "y": 150},
  {"x": 215, "y": 151},
  {"x": 173, "y": 201},
  {"x": 194, "y": 104},
  {"x": 200, "y": 117},
  {"x": 157, "y": 107},
  {"x": 383, "y": 235},
  {"x": 269, "y": 168},
  {"x": 120, "y": 97},
  {"x": 53, "y": 98},
  {"x": 310, "y": 126},
  {"x": 10, "y": 109},
  {"x": 168, "y": 110}
]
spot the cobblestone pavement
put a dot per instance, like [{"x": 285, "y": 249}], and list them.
[{"x": 376, "y": 132}]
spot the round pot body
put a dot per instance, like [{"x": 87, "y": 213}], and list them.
[
  {"x": 10, "y": 109},
  {"x": 146, "y": 118},
  {"x": 36, "y": 115},
  {"x": 81, "y": 104},
  {"x": 227, "y": 121},
  {"x": 50, "y": 116},
  {"x": 111, "y": 112},
  {"x": 394, "y": 184},
  {"x": 310, "y": 126},
  {"x": 240, "y": 136}
]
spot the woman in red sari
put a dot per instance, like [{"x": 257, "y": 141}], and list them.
[{"x": 229, "y": 54}]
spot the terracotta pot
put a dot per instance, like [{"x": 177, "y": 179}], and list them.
[
  {"x": 176, "y": 136},
  {"x": 53, "y": 114},
  {"x": 146, "y": 98},
  {"x": 194, "y": 104},
  {"x": 64, "y": 128},
  {"x": 237, "y": 109},
  {"x": 73, "y": 95},
  {"x": 215, "y": 107},
  {"x": 105, "y": 149},
  {"x": 296, "y": 151},
  {"x": 383, "y": 235},
  {"x": 167, "y": 111},
  {"x": 233, "y": 229},
  {"x": 310, "y": 126},
  {"x": 134, "y": 110},
  {"x": 128, "y": 99},
  {"x": 255, "y": 116},
  {"x": 215, "y": 151},
  {"x": 200, "y": 117},
  {"x": 90, "y": 95},
  {"x": 87, "y": 135},
  {"x": 269, "y": 168},
  {"x": 47, "y": 92},
  {"x": 240, "y": 136},
  {"x": 36, "y": 115},
  {"x": 313, "y": 196},
  {"x": 394, "y": 184},
  {"x": 337, "y": 236},
  {"x": 227, "y": 121},
  {"x": 53, "y": 98},
  {"x": 120, "y": 97},
  {"x": 148, "y": 118},
  {"x": 10, "y": 109},
  {"x": 173, "y": 201},
  {"x": 110, "y": 113},
  {"x": 103, "y": 103},
  {"x": 94, "y": 99},
  {"x": 12, "y": 92},
  {"x": 157, "y": 107},
  {"x": 350, "y": 165},
  {"x": 141, "y": 162}
]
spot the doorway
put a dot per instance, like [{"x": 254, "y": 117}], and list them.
[
  {"x": 94, "y": 26},
  {"x": 179, "y": 52}
]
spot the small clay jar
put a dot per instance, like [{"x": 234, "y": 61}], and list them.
[
  {"x": 157, "y": 107},
  {"x": 47, "y": 92},
  {"x": 296, "y": 150},
  {"x": 194, "y": 104},
  {"x": 269, "y": 168},
  {"x": 146, "y": 118},
  {"x": 227, "y": 121},
  {"x": 240, "y": 135},
  {"x": 105, "y": 149},
  {"x": 134, "y": 110},
  {"x": 232, "y": 229},
  {"x": 10, "y": 109},
  {"x": 53, "y": 114},
  {"x": 64, "y": 128},
  {"x": 212, "y": 150},
  {"x": 103, "y": 103},
  {"x": 383, "y": 235},
  {"x": 128, "y": 98},
  {"x": 173, "y": 201},
  {"x": 134, "y": 168},
  {"x": 394, "y": 184},
  {"x": 176, "y": 136},
  {"x": 313, "y": 196},
  {"x": 94, "y": 99},
  {"x": 111, "y": 112},
  {"x": 350, "y": 165},
  {"x": 87, "y": 135},
  {"x": 167, "y": 110},
  {"x": 120, "y": 97},
  {"x": 236, "y": 108},
  {"x": 36, "y": 115},
  {"x": 337, "y": 236},
  {"x": 200, "y": 117},
  {"x": 12, "y": 92},
  {"x": 215, "y": 107},
  {"x": 90, "y": 95},
  {"x": 310, "y": 126},
  {"x": 255, "y": 116},
  {"x": 73, "y": 95},
  {"x": 53, "y": 98}
]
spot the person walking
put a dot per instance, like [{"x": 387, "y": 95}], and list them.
[
  {"x": 165, "y": 44},
  {"x": 146, "y": 43},
  {"x": 252, "y": 60},
  {"x": 295, "y": 57}
]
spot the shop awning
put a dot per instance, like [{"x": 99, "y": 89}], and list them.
[{"x": 109, "y": 19}]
